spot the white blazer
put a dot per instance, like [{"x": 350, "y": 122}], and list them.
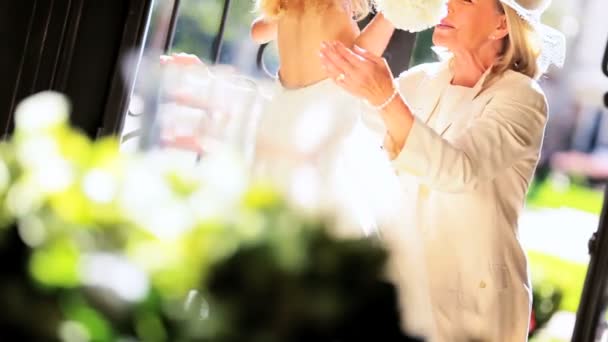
[{"x": 467, "y": 180}]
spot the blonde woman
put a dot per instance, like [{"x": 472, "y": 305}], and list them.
[{"x": 464, "y": 135}]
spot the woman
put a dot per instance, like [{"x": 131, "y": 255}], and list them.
[{"x": 464, "y": 135}]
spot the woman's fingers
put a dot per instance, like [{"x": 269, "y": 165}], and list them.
[
  {"x": 349, "y": 85},
  {"x": 368, "y": 55},
  {"x": 331, "y": 69},
  {"x": 330, "y": 55},
  {"x": 349, "y": 55},
  {"x": 341, "y": 78},
  {"x": 358, "y": 72},
  {"x": 362, "y": 67}
]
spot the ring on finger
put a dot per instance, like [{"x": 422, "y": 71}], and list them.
[{"x": 341, "y": 77}]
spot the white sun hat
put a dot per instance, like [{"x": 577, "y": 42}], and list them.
[
  {"x": 418, "y": 15},
  {"x": 553, "y": 48}
]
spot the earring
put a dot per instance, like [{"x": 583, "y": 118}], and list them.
[{"x": 492, "y": 37}]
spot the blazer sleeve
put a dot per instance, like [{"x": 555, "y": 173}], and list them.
[{"x": 511, "y": 127}]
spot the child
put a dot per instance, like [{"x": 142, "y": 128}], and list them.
[
  {"x": 300, "y": 26},
  {"x": 310, "y": 120},
  {"x": 313, "y": 142}
]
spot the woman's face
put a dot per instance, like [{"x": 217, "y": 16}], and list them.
[{"x": 470, "y": 25}]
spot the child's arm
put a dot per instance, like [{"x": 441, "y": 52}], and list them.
[
  {"x": 376, "y": 35},
  {"x": 263, "y": 30}
]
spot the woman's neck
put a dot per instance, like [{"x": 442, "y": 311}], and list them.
[{"x": 468, "y": 68}]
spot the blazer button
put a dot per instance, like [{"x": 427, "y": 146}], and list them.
[{"x": 482, "y": 284}]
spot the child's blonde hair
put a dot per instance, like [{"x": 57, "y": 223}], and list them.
[{"x": 275, "y": 8}]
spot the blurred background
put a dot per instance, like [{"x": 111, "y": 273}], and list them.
[
  {"x": 84, "y": 225},
  {"x": 566, "y": 198}
]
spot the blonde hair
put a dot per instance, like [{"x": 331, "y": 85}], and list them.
[
  {"x": 276, "y": 8},
  {"x": 521, "y": 47}
]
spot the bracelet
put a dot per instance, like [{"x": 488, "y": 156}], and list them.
[{"x": 388, "y": 100}]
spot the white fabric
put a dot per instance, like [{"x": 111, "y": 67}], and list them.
[
  {"x": 300, "y": 136},
  {"x": 450, "y": 97},
  {"x": 357, "y": 179},
  {"x": 468, "y": 176}
]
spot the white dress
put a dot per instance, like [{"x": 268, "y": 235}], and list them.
[{"x": 322, "y": 146}]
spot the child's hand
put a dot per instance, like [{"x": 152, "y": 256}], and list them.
[{"x": 180, "y": 59}]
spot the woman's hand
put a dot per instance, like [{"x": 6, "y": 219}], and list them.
[
  {"x": 358, "y": 71},
  {"x": 368, "y": 76}
]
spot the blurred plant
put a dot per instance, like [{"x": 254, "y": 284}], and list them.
[
  {"x": 565, "y": 191},
  {"x": 556, "y": 285},
  {"x": 566, "y": 275},
  {"x": 105, "y": 246},
  {"x": 300, "y": 284},
  {"x": 546, "y": 300},
  {"x": 98, "y": 234}
]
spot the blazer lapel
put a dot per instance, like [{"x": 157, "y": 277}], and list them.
[
  {"x": 429, "y": 91},
  {"x": 464, "y": 106}
]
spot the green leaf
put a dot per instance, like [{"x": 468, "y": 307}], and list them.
[
  {"x": 98, "y": 327},
  {"x": 56, "y": 264}
]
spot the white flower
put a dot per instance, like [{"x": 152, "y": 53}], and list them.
[
  {"x": 223, "y": 181},
  {"x": 23, "y": 198},
  {"x": 100, "y": 186},
  {"x": 56, "y": 177},
  {"x": 40, "y": 111},
  {"x": 413, "y": 15},
  {"x": 116, "y": 273},
  {"x": 36, "y": 151},
  {"x": 147, "y": 199},
  {"x": 48, "y": 171}
]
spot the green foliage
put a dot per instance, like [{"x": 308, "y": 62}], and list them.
[
  {"x": 55, "y": 264},
  {"x": 546, "y": 300},
  {"x": 554, "y": 194},
  {"x": 78, "y": 311},
  {"x": 552, "y": 272},
  {"x": 557, "y": 286}
]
